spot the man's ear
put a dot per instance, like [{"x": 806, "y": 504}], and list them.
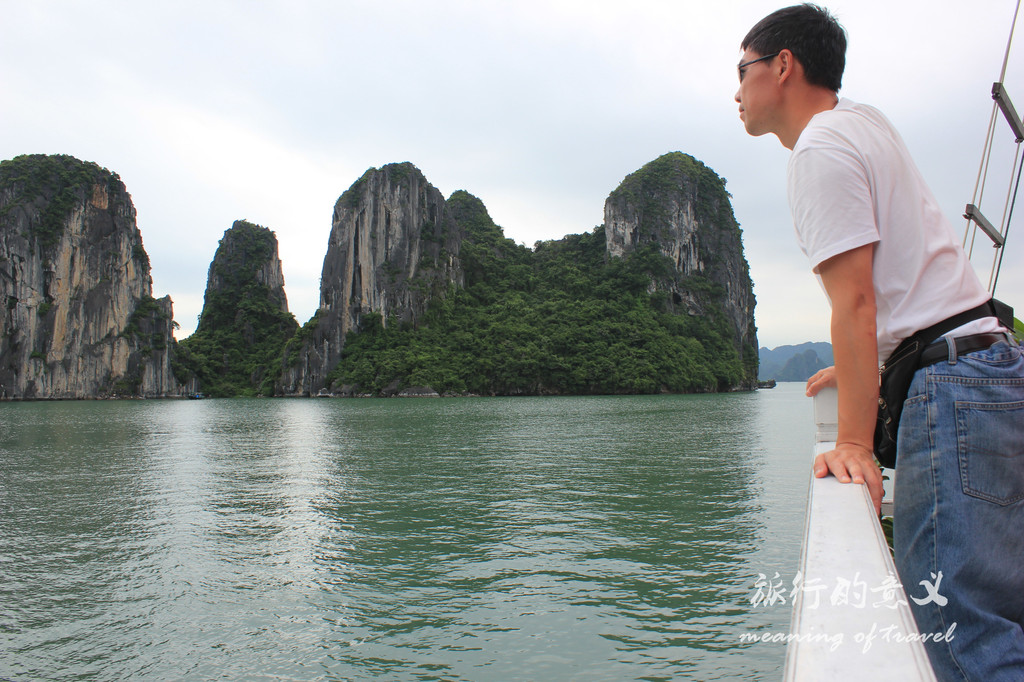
[{"x": 787, "y": 65}]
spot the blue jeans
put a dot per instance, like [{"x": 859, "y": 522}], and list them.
[{"x": 959, "y": 510}]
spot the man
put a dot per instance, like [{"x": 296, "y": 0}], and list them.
[{"x": 891, "y": 266}]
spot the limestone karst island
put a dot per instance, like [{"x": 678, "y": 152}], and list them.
[{"x": 420, "y": 295}]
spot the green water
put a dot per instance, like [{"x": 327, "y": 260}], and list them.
[{"x": 600, "y": 538}]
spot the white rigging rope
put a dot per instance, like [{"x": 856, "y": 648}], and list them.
[
  {"x": 999, "y": 263},
  {"x": 1006, "y": 57}
]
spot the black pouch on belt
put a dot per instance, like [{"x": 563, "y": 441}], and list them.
[{"x": 897, "y": 372}]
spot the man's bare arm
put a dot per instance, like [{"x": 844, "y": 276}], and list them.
[{"x": 847, "y": 279}]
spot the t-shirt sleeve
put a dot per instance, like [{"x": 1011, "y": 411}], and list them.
[{"x": 830, "y": 199}]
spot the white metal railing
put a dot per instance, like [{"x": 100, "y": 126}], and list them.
[{"x": 851, "y": 618}]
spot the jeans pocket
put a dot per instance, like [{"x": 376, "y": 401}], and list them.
[{"x": 991, "y": 450}]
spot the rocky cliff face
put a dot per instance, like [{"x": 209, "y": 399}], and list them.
[
  {"x": 78, "y": 317},
  {"x": 393, "y": 247},
  {"x": 679, "y": 206}
]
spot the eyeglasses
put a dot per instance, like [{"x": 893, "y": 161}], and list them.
[{"x": 742, "y": 66}]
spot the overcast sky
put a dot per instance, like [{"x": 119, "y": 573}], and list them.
[{"x": 214, "y": 111}]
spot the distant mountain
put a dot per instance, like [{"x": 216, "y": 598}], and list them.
[{"x": 793, "y": 363}]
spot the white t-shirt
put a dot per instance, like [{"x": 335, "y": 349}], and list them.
[{"x": 852, "y": 182}]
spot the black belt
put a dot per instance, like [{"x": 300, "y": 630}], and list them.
[{"x": 939, "y": 350}]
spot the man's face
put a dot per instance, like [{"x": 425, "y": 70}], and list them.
[{"x": 756, "y": 93}]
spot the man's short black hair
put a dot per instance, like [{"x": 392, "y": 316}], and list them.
[{"x": 814, "y": 37}]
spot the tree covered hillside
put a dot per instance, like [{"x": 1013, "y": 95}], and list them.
[{"x": 561, "y": 319}]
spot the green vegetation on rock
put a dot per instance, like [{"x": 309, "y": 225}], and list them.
[
  {"x": 60, "y": 179},
  {"x": 237, "y": 346},
  {"x": 146, "y": 325}
]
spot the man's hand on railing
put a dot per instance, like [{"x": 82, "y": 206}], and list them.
[
  {"x": 823, "y": 378},
  {"x": 852, "y": 463}
]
